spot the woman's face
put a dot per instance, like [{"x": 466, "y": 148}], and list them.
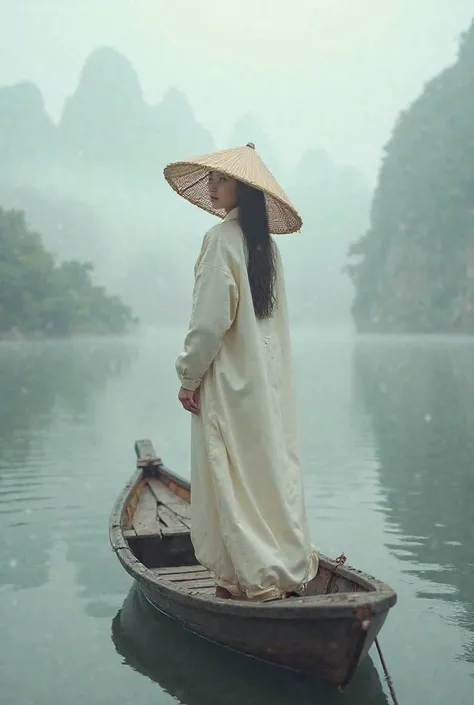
[{"x": 222, "y": 191}]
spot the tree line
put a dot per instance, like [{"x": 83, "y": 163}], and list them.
[{"x": 41, "y": 296}]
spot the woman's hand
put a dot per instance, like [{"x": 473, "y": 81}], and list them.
[{"x": 189, "y": 399}]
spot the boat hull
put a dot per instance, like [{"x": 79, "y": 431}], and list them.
[
  {"x": 328, "y": 649},
  {"x": 197, "y": 672}
]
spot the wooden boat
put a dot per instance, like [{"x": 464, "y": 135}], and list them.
[
  {"x": 325, "y": 632},
  {"x": 198, "y": 672}
]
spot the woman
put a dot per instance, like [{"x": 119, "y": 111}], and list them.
[{"x": 248, "y": 518}]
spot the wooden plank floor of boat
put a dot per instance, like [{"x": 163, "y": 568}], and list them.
[
  {"x": 159, "y": 512},
  {"x": 194, "y": 579}
]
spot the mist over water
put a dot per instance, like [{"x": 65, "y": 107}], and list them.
[{"x": 380, "y": 428}]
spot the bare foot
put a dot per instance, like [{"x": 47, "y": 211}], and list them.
[{"x": 223, "y": 593}]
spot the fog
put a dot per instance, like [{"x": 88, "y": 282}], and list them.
[{"x": 98, "y": 97}]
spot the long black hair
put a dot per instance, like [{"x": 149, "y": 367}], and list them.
[{"x": 261, "y": 266}]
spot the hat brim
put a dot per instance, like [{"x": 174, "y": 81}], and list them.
[{"x": 190, "y": 180}]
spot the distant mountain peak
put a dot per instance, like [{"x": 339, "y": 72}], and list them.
[
  {"x": 107, "y": 107},
  {"x": 25, "y": 126},
  {"x": 174, "y": 104},
  {"x": 108, "y": 69},
  {"x": 181, "y": 133},
  {"x": 25, "y": 94}
]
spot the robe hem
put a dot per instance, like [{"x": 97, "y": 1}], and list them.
[{"x": 258, "y": 594}]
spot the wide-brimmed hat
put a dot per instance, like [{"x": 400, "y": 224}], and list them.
[{"x": 190, "y": 179}]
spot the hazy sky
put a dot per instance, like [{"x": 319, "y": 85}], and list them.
[{"x": 317, "y": 73}]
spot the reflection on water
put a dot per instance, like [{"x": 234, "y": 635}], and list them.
[
  {"x": 197, "y": 672},
  {"x": 46, "y": 389},
  {"x": 388, "y": 448},
  {"x": 420, "y": 400}
]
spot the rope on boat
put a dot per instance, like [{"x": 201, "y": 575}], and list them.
[
  {"x": 386, "y": 673},
  {"x": 340, "y": 561}
]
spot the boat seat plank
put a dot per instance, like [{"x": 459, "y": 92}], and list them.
[
  {"x": 185, "y": 577},
  {"x": 183, "y": 510},
  {"x": 194, "y": 584},
  {"x": 145, "y": 521},
  {"x": 179, "y": 570},
  {"x": 210, "y": 591},
  {"x": 172, "y": 524},
  {"x": 186, "y": 522},
  {"x": 174, "y": 530},
  {"x": 165, "y": 496},
  {"x": 195, "y": 578}
]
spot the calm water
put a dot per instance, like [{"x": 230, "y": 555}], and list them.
[{"x": 388, "y": 441}]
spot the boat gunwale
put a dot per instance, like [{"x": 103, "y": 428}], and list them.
[{"x": 379, "y": 597}]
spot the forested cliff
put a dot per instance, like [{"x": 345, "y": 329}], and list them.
[{"x": 413, "y": 270}]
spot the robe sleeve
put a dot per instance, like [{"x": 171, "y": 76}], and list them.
[{"x": 215, "y": 300}]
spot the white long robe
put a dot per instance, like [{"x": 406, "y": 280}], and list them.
[{"x": 248, "y": 517}]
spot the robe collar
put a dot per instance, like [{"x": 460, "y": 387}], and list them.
[{"x": 232, "y": 215}]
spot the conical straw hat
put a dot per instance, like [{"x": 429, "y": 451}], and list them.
[{"x": 190, "y": 179}]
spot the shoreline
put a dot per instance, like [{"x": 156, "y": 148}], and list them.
[{"x": 15, "y": 335}]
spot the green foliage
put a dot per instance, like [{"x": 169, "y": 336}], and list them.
[
  {"x": 40, "y": 296},
  {"x": 411, "y": 272}
]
